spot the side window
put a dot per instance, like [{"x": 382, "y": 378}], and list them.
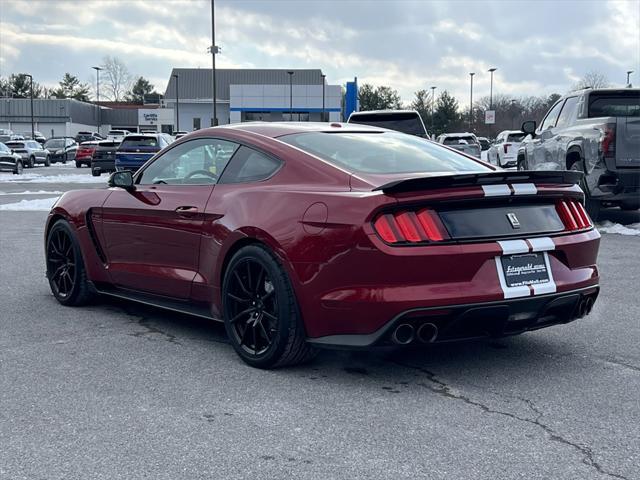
[
  {"x": 550, "y": 120},
  {"x": 568, "y": 112},
  {"x": 249, "y": 165},
  {"x": 198, "y": 162}
]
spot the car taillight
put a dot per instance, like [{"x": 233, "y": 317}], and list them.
[
  {"x": 410, "y": 227},
  {"x": 505, "y": 147},
  {"x": 573, "y": 215},
  {"x": 608, "y": 141}
]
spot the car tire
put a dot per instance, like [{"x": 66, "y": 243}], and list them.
[
  {"x": 18, "y": 169},
  {"x": 592, "y": 205},
  {"x": 94, "y": 172},
  {"x": 78, "y": 164},
  {"x": 66, "y": 271},
  {"x": 32, "y": 162},
  {"x": 261, "y": 314},
  {"x": 47, "y": 161},
  {"x": 523, "y": 164}
]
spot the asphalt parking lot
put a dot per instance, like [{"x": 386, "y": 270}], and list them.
[{"x": 117, "y": 390}]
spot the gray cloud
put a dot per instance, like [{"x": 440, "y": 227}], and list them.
[{"x": 538, "y": 47}]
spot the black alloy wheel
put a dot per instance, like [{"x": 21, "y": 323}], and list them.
[
  {"x": 261, "y": 315},
  {"x": 65, "y": 266}
]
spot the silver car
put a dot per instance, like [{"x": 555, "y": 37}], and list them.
[
  {"x": 465, "y": 142},
  {"x": 31, "y": 152},
  {"x": 10, "y": 161}
]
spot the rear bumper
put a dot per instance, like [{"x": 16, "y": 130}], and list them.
[
  {"x": 618, "y": 186},
  {"x": 490, "y": 319},
  {"x": 104, "y": 165}
]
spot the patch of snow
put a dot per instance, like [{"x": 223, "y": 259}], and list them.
[
  {"x": 38, "y": 205},
  {"x": 610, "y": 227},
  {"x": 34, "y": 178},
  {"x": 28, "y": 192}
]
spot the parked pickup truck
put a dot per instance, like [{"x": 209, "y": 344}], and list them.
[{"x": 594, "y": 131}]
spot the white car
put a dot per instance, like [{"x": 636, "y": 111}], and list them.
[
  {"x": 504, "y": 151},
  {"x": 117, "y": 135},
  {"x": 465, "y": 142}
]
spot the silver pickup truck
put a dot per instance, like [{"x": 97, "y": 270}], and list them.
[{"x": 597, "y": 132}]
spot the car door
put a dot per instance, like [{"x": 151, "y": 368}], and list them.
[
  {"x": 541, "y": 158},
  {"x": 39, "y": 152},
  {"x": 151, "y": 234},
  {"x": 562, "y": 131}
]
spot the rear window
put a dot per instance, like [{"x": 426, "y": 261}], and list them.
[
  {"x": 408, "y": 122},
  {"x": 386, "y": 152},
  {"x": 462, "y": 139},
  {"x": 615, "y": 105},
  {"x": 116, "y": 132},
  {"x": 58, "y": 143},
  {"x": 137, "y": 142},
  {"x": 515, "y": 137},
  {"x": 15, "y": 144}
]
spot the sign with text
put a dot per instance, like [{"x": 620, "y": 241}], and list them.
[{"x": 490, "y": 117}]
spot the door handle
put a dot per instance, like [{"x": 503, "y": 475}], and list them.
[{"x": 186, "y": 211}]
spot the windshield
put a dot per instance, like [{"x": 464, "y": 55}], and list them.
[
  {"x": 387, "y": 152},
  {"x": 407, "y": 122},
  {"x": 59, "y": 143},
  {"x": 615, "y": 105}
]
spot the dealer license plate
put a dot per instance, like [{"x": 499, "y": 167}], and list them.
[{"x": 525, "y": 269}]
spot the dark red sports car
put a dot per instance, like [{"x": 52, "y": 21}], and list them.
[{"x": 298, "y": 236}]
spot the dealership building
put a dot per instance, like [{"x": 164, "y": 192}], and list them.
[{"x": 244, "y": 95}]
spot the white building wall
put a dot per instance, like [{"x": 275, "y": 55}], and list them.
[{"x": 50, "y": 129}]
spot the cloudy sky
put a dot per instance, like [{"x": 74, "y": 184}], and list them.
[{"x": 539, "y": 47}]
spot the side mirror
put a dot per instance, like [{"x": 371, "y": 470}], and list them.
[
  {"x": 529, "y": 127},
  {"x": 122, "y": 179}
]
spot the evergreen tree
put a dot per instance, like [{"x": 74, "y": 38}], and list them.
[
  {"x": 378, "y": 98},
  {"x": 139, "y": 90},
  {"x": 70, "y": 87}
]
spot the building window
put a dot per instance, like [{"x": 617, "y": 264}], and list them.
[
  {"x": 256, "y": 116},
  {"x": 196, "y": 123},
  {"x": 296, "y": 117}
]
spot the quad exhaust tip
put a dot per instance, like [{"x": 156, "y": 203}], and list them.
[
  {"x": 403, "y": 334},
  {"x": 427, "y": 333}
]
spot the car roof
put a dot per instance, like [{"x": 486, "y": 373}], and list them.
[
  {"x": 458, "y": 134},
  {"x": 278, "y": 129},
  {"x": 385, "y": 112}
]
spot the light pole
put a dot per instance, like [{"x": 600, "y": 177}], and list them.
[
  {"x": 471, "y": 74},
  {"x": 323, "y": 76},
  {"x": 433, "y": 102},
  {"x": 629, "y": 72},
  {"x": 97, "y": 69},
  {"x": 175, "y": 75},
  {"x": 290, "y": 73},
  {"x": 493, "y": 69},
  {"x": 33, "y": 132},
  {"x": 214, "y": 50},
  {"x": 513, "y": 112}
]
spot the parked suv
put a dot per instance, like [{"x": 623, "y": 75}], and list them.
[
  {"x": 594, "y": 131},
  {"x": 10, "y": 161},
  {"x": 63, "y": 149},
  {"x": 117, "y": 135},
  {"x": 464, "y": 142},
  {"x": 84, "y": 153},
  {"x": 136, "y": 149},
  {"x": 31, "y": 152},
  {"x": 504, "y": 150},
  {"x": 405, "y": 121}
]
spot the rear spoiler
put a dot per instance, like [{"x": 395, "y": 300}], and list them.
[{"x": 473, "y": 179}]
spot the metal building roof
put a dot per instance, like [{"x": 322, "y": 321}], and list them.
[{"x": 196, "y": 83}]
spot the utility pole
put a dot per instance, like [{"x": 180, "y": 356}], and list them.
[
  {"x": 33, "y": 132},
  {"x": 175, "y": 75},
  {"x": 214, "y": 50},
  {"x": 323, "y": 82},
  {"x": 491, "y": 90},
  {"x": 97, "y": 69},
  {"x": 433, "y": 102},
  {"x": 471, "y": 103}
]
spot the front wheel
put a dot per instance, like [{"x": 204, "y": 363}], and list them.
[
  {"x": 47, "y": 161},
  {"x": 523, "y": 164},
  {"x": 78, "y": 164},
  {"x": 18, "y": 169},
  {"x": 261, "y": 314},
  {"x": 32, "y": 162},
  {"x": 65, "y": 266}
]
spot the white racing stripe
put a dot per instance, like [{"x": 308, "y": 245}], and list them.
[
  {"x": 496, "y": 190},
  {"x": 542, "y": 244},
  {"x": 510, "y": 247},
  {"x": 524, "y": 189}
]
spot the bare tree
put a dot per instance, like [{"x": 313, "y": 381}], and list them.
[
  {"x": 592, "y": 79},
  {"x": 114, "y": 78}
]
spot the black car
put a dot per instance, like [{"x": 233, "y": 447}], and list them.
[
  {"x": 62, "y": 149},
  {"x": 104, "y": 157},
  {"x": 87, "y": 137},
  {"x": 9, "y": 161}
]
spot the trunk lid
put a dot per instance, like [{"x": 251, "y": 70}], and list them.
[{"x": 628, "y": 142}]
